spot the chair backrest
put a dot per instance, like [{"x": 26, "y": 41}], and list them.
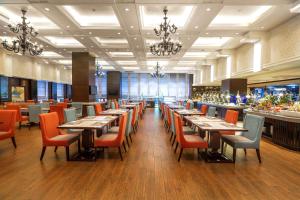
[
  {"x": 128, "y": 123},
  {"x": 113, "y": 105},
  {"x": 78, "y": 107},
  {"x": 133, "y": 116},
  {"x": 45, "y": 105},
  {"x": 49, "y": 123},
  {"x": 179, "y": 130},
  {"x": 66, "y": 100},
  {"x": 59, "y": 109},
  {"x": 8, "y": 121},
  {"x": 254, "y": 124},
  {"x": 172, "y": 121},
  {"x": 116, "y": 104},
  {"x": 188, "y": 105},
  {"x": 70, "y": 114},
  {"x": 137, "y": 112},
  {"x": 34, "y": 112},
  {"x": 15, "y": 107},
  {"x": 65, "y": 105},
  {"x": 169, "y": 116},
  {"x": 122, "y": 128},
  {"x": 90, "y": 111},
  {"x": 204, "y": 108},
  {"x": 211, "y": 111},
  {"x": 141, "y": 108},
  {"x": 231, "y": 116},
  {"x": 98, "y": 109}
]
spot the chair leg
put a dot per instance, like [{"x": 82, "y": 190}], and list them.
[
  {"x": 55, "y": 149},
  {"x": 180, "y": 154},
  {"x": 130, "y": 138},
  {"x": 234, "y": 154},
  {"x": 43, "y": 152},
  {"x": 176, "y": 147},
  {"x": 127, "y": 140},
  {"x": 120, "y": 152},
  {"x": 124, "y": 146},
  {"x": 67, "y": 153},
  {"x": 258, "y": 155},
  {"x": 14, "y": 141},
  {"x": 171, "y": 136},
  {"x": 245, "y": 150},
  {"x": 78, "y": 146},
  {"x": 174, "y": 141}
]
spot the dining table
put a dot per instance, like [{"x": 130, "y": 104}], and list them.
[
  {"x": 212, "y": 127},
  {"x": 89, "y": 126},
  {"x": 26, "y": 110},
  {"x": 175, "y": 106},
  {"x": 184, "y": 112},
  {"x": 128, "y": 106},
  {"x": 114, "y": 112}
]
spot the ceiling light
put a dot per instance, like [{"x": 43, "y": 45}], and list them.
[
  {"x": 237, "y": 33},
  {"x": 208, "y": 9},
  {"x": 111, "y": 41},
  {"x": 196, "y": 27},
  {"x": 134, "y": 38},
  {"x": 102, "y": 62},
  {"x": 196, "y": 54},
  {"x": 131, "y": 26},
  {"x": 108, "y": 68},
  {"x": 206, "y": 33},
  {"x": 127, "y": 62},
  {"x": 65, "y": 62},
  {"x": 50, "y": 54},
  {"x": 90, "y": 33},
  {"x": 130, "y": 68},
  {"x": 295, "y": 9},
  {"x": 184, "y": 68},
  {"x": 186, "y": 62},
  {"x": 161, "y": 62},
  {"x": 127, "y": 9},
  {"x": 211, "y": 41},
  {"x": 47, "y": 9},
  {"x": 68, "y": 26},
  {"x": 62, "y": 41},
  {"x": 121, "y": 54},
  {"x": 262, "y": 27},
  {"x": 118, "y": 33}
]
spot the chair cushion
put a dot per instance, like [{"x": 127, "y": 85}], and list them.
[
  {"x": 238, "y": 141},
  {"x": 114, "y": 129},
  {"x": 194, "y": 141},
  {"x": 227, "y": 132},
  {"x": 78, "y": 131},
  {"x": 24, "y": 118},
  {"x": 106, "y": 140},
  {"x": 4, "y": 135},
  {"x": 188, "y": 130},
  {"x": 63, "y": 140}
]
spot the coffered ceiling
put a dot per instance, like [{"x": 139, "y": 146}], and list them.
[{"x": 119, "y": 32}]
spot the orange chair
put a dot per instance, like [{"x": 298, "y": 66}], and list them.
[
  {"x": 30, "y": 101},
  {"x": 133, "y": 121},
  {"x": 64, "y": 104},
  {"x": 169, "y": 118},
  {"x": 51, "y": 101},
  {"x": 19, "y": 117},
  {"x": 188, "y": 105},
  {"x": 231, "y": 116},
  {"x": 66, "y": 100},
  {"x": 98, "y": 109},
  {"x": 204, "y": 109},
  {"x": 113, "y": 140},
  {"x": 187, "y": 141},
  {"x": 7, "y": 125},
  {"x": 162, "y": 110},
  {"x": 59, "y": 109},
  {"x": 141, "y": 110},
  {"x": 54, "y": 137}
]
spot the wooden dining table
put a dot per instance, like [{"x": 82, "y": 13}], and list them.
[
  {"x": 184, "y": 112},
  {"x": 128, "y": 106},
  {"x": 114, "y": 112},
  {"x": 89, "y": 125},
  {"x": 212, "y": 126},
  {"x": 175, "y": 106}
]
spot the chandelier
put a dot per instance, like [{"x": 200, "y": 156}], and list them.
[
  {"x": 157, "y": 73},
  {"x": 167, "y": 46},
  {"x": 23, "y": 43},
  {"x": 99, "y": 71}
]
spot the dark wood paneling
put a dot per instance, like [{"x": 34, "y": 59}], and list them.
[
  {"x": 33, "y": 90},
  {"x": 191, "y": 79},
  {"x": 113, "y": 84},
  {"x": 234, "y": 85},
  {"x": 83, "y": 76},
  {"x": 53, "y": 90},
  {"x": 199, "y": 90}
]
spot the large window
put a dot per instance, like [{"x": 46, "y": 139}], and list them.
[
  {"x": 4, "y": 88},
  {"x": 42, "y": 90},
  {"x": 60, "y": 91},
  {"x": 142, "y": 84},
  {"x": 102, "y": 86}
]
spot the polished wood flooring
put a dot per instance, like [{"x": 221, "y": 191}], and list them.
[{"x": 149, "y": 171}]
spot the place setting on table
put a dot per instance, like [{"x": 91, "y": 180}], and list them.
[
  {"x": 114, "y": 112},
  {"x": 128, "y": 106},
  {"x": 212, "y": 127},
  {"x": 175, "y": 106},
  {"x": 89, "y": 126},
  {"x": 188, "y": 112}
]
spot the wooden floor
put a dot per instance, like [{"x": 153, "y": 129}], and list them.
[{"x": 149, "y": 171}]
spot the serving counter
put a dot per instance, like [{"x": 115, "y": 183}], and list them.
[{"x": 284, "y": 130}]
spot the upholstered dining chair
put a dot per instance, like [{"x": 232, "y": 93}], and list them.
[
  {"x": 59, "y": 109},
  {"x": 90, "y": 111},
  {"x": 231, "y": 117},
  {"x": 112, "y": 140},
  {"x": 98, "y": 109},
  {"x": 45, "y": 105},
  {"x": 19, "y": 118},
  {"x": 52, "y": 136},
  {"x": 249, "y": 139},
  {"x": 70, "y": 115},
  {"x": 34, "y": 112},
  {"x": 78, "y": 107},
  {"x": 7, "y": 125},
  {"x": 211, "y": 111},
  {"x": 204, "y": 109},
  {"x": 188, "y": 141}
]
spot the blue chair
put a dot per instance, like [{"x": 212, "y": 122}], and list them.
[
  {"x": 70, "y": 115},
  {"x": 34, "y": 112},
  {"x": 249, "y": 139},
  {"x": 78, "y": 107},
  {"x": 113, "y": 106},
  {"x": 211, "y": 111},
  {"x": 90, "y": 111},
  {"x": 45, "y": 105}
]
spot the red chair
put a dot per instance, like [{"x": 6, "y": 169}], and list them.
[
  {"x": 54, "y": 137},
  {"x": 113, "y": 140},
  {"x": 64, "y": 104},
  {"x": 7, "y": 125},
  {"x": 162, "y": 110},
  {"x": 19, "y": 118},
  {"x": 187, "y": 141},
  {"x": 59, "y": 109},
  {"x": 204, "y": 109},
  {"x": 141, "y": 110},
  {"x": 98, "y": 109},
  {"x": 231, "y": 116},
  {"x": 188, "y": 105},
  {"x": 133, "y": 121}
]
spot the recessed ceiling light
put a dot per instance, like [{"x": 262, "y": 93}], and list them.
[
  {"x": 118, "y": 33},
  {"x": 262, "y": 27},
  {"x": 127, "y": 9},
  {"x": 134, "y": 38},
  {"x": 47, "y": 9},
  {"x": 61, "y": 32},
  {"x": 82, "y": 38},
  {"x": 131, "y": 26},
  {"x": 237, "y": 33},
  {"x": 90, "y": 33},
  {"x": 208, "y": 9},
  {"x": 68, "y": 26},
  {"x": 196, "y": 27},
  {"x": 206, "y": 33}
]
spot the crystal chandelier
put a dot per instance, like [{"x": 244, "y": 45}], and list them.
[
  {"x": 167, "y": 46},
  {"x": 23, "y": 43},
  {"x": 99, "y": 71},
  {"x": 157, "y": 73}
]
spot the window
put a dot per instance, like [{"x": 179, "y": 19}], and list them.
[
  {"x": 4, "y": 88},
  {"x": 102, "y": 86},
  {"x": 42, "y": 90},
  {"x": 60, "y": 91},
  {"x": 144, "y": 85},
  {"x": 134, "y": 85},
  {"x": 257, "y": 57},
  {"x": 125, "y": 85}
]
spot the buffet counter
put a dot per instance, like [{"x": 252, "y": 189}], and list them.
[
  {"x": 284, "y": 130},
  {"x": 222, "y": 108}
]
